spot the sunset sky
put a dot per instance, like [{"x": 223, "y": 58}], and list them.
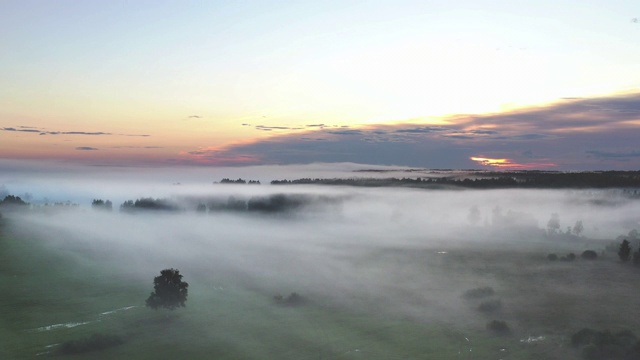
[{"x": 438, "y": 84}]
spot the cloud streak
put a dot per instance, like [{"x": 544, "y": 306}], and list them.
[
  {"x": 26, "y": 129},
  {"x": 573, "y": 133}
]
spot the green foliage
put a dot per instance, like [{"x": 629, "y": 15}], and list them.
[
  {"x": 92, "y": 343},
  {"x": 170, "y": 292},
  {"x": 589, "y": 255},
  {"x": 625, "y": 251}
]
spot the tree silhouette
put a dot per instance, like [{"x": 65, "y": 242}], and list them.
[
  {"x": 170, "y": 292},
  {"x": 578, "y": 228},
  {"x": 100, "y": 204},
  {"x": 553, "y": 226},
  {"x": 625, "y": 251}
]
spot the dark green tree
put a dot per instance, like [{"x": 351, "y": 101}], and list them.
[
  {"x": 625, "y": 251},
  {"x": 169, "y": 291}
]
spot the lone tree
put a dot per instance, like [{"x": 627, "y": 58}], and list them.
[
  {"x": 625, "y": 251},
  {"x": 170, "y": 291}
]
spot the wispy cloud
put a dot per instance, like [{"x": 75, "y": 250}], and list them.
[
  {"x": 270, "y": 128},
  {"x": 28, "y": 129},
  {"x": 86, "y": 148}
]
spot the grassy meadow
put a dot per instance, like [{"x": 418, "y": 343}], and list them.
[{"x": 53, "y": 296}]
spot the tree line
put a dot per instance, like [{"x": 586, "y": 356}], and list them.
[
  {"x": 532, "y": 179},
  {"x": 274, "y": 203}
]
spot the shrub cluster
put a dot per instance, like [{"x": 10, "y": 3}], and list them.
[{"x": 589, "y": 255}]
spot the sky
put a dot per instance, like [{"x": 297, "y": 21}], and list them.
[{"x": 458, "y": 84}]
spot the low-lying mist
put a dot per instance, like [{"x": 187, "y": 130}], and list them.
[
  {"x": 329, "y": 245},
  {"x": 407, "y": 252}
]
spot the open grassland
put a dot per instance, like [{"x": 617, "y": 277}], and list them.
[{"x": 52, "y": 296}]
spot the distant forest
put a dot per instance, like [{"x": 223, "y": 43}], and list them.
[{"x": 495, "y": 180}]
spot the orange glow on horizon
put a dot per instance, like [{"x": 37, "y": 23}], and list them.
[
  {"x": 508, "y": 164},
  {"x": 491, "y": 162}
]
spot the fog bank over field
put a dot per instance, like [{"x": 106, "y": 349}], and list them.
[
  {"x": 55, "y": 182},
  {"x": 391, "y": 252},
  {"x": 341, "y": 244}
]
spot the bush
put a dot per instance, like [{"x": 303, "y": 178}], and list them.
[
  {"x": 169, "y": 291},
  {"x": 589, "y": 255},
  {"x": 498, "y": 327},
  {"x": 624, "y": 252},
  {"x": 92, "y": 343},
  {"x": 478, "y": 293},
  {"x": 552, "y": 257},
  {"x": 569, "y": 257},
  {"x": 490, "y": 306}
]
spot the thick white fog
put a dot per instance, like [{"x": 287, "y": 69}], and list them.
[{"x": 339, "y": 245}]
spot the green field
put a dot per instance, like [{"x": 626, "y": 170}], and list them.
[{"x": 52, "y": 296}]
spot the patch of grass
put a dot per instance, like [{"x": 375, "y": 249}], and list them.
[{"x": 94, "y": 342}]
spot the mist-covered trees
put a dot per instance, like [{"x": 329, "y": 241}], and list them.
[
  {"x": 495, "y": 180},
  {"x": 99, "y": 204},
  {"x": 239, "y": 181},
  {"x": 474, "y": 215},
  {"x": 578, "y": 228},
  {"x": 624, "y": 252},
  {"x": 169, "y": 291},
  {"x": 11, "y": 200},
  {"x": 148, "y": 204},
  {"x": 553, "y": 225}
]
